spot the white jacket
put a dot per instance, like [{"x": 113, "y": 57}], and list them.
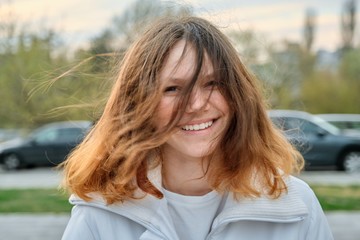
[{"x": 294, "y": 216}]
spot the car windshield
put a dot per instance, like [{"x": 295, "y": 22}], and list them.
[{"x": 326, "y": 125}]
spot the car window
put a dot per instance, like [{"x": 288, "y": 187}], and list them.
[
  {"x": 59, "y": 135},
  {"x": 46, "y": 136},
  {"x": 355, "y": 125},
  {"x": 346, "y": 124},
  {"x": 341, "y": 125},
  {"x": 304, "y": 126},
  {"x": 291, "y": 127},
  {"x": 309, "y": 128},
  {"x": 293, "y": 123},
  {"x": 280, "y": 123},
  {"x": 296, "y": 126},
  {"x": 70, "y": 134}
]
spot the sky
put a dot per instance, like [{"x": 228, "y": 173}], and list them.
[{"x": 77, "y": 21}]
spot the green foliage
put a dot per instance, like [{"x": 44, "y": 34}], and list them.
[
  {"x": 247, "y": 44},
  {"x": 349, "y": 68},
  {"x": 141, "y": 14},
  {"x": 334, "y": 92},
  {"x": 296, "y": 83},
  {"x": 31, "y": 56},
  {"x": 38, "y": 86},
  {"x": 325, "y": 92},
  {"x": 282, "y": 73}
]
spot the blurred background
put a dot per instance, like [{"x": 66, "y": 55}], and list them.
[{"x": 57, "y": 62}]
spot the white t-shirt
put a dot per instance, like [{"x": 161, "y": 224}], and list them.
[{"x": 193, "y": 215}]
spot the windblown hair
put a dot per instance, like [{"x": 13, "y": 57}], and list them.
[{"x": 115, "y": 157}]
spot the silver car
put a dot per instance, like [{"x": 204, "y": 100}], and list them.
[
  {"x": 321, "y": 143},
  {"x": 343, "y": 121}
]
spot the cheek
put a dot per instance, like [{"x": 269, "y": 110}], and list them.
[
  {"x": 163, "y": 113},
  {"x": 221, "y": 103}
]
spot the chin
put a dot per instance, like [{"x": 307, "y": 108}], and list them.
[{"x": 199, "y": 154}]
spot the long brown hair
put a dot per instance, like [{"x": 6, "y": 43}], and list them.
[{"x": 123, "y": 145}]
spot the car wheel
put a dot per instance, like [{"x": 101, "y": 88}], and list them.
[
  {"x": 11, "y": 161},
  {"x": 351, "y": 161}
]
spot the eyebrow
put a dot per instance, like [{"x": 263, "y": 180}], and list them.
[
  {"x": 209, "y": 75},
  {"x": 202, "y": 76},
  {"x": 177, "y": 80}
]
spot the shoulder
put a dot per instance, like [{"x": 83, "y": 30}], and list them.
[
  {"x": 100, "y": 224},
  {"x": 317, "y": 225},
  {"x": 298, "y": 182},
  {"x": 302, "y": 189},
  {"x": 97, "y": 217}
]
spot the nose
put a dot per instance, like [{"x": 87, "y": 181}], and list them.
[{"x": 198, "y": 100}]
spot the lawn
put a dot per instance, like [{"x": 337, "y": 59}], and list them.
[
  {"x": 33, "y": 201},
  {"x": 332, "y": 198},
  {"x": 338, "y": 197}
]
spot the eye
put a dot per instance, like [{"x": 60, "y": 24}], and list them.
[
  {"x": 171, "y": 89},
  {"x": 212, "y": 83}
]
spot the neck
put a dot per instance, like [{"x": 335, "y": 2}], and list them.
[{"x": 185, "y": 176}]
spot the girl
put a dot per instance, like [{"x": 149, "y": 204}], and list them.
[{"x": 185, "y": 150}]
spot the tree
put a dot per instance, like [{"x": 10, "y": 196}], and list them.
[
  {"x": 349, "y": 66},
  {"x": 30, "y": 58},
  {"x": 8, "y": 28},
  {"x": 283, "y": 74},
  {"x": 133, "y": 21},
  {"x": 325, "y": 92},
  {"x": 309, "y": 29},
  {"x": 99, "y": 47},
  {"x": 247, "y": 44},
  {"x": 114, "y": 41},
  {"x": 348, "y": 24}
]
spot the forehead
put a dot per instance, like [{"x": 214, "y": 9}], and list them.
[{"x": 181, "y": 63}]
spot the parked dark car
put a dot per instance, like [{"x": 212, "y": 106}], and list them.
[
  {"x": 46, "y": 146},
  {"x": 321, "y": 143}
]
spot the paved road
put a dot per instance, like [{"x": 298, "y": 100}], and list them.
[
  {"x": 32, "y": 227},
  {"x": 345, "y": 225},
  {"x": 30, "y": 178}
]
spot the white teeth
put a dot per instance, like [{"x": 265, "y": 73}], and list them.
[{"x": 197, "y": 127}]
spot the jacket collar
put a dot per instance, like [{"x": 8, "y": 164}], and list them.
[{"x": 289, "y": 207}]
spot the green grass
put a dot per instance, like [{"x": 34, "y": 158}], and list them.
[
  {"x": 331, "y": 198},
  {"x": 33, "y": 201},
  {"x": 338, "y": 198}
]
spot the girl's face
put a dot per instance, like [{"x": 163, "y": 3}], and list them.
[{"x": 207, "y": 112}]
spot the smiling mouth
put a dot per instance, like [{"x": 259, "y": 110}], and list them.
[{"x": 197, "y": 127}]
